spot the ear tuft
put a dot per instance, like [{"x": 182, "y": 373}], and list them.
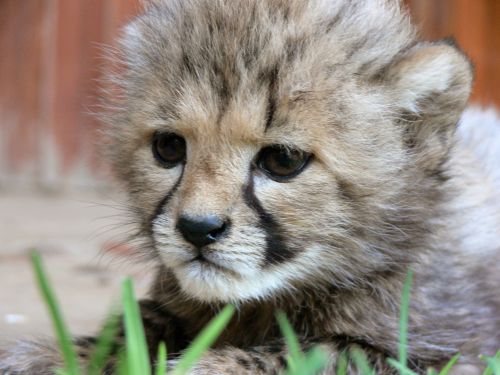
[
  {"x": 430, "y": 72},
  {"x": 431, "y": 84}
]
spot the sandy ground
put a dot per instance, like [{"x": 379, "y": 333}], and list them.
[{"x": 77, "y": 236}]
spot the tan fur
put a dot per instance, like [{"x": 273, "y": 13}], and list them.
[{"x": 390, "y": 186}]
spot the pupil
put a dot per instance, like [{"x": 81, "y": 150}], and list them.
[
  {"x": 283, "y": 163},
  {"x": 285, "y": 160},
  {"x": 169, "y": 149}
]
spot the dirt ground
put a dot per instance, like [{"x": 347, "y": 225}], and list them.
[{"x": 79, "y": 238}]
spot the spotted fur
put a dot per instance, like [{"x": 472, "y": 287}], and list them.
[{"x": 391, "y": 185}]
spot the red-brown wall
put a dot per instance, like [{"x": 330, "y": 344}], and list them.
[{"x": 49, "y": 63}]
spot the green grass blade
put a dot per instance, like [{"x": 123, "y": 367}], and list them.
[
  {"x": 446, "y": 369},
  {"x": 204, "y": 340},
  {"x": 342, "y": 363},
  {"x": 359, "y": 358},
  {"x": 137, "y": 351},
  {"x": 104, "y": 345},
  {"x": 296, "y": 355},
  {"x": 403, "y": 370},
  {"x": 488, "y": 371},
  {"x": 432, "y": 371},
  {"x": 161, "y": 360},
  {"x": 314, "y": 362},
  {"x": 403, "y": 320},
  {"x": 493, "y": 364},
  {"x": 63, "y": 336},
  {"x": 497, "y": 360},
  {"x": 121, "y": 363}
]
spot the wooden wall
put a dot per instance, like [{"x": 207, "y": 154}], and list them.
[
  {"x": 49, "y": 63},
  {"x": 49, "y": 67}
]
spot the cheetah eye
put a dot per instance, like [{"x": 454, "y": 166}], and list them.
[
  {"x": 281, "y": 163},
  {"x": 169, "y": 149}
]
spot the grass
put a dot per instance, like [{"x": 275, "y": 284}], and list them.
[
  {"x": 134, "y": 359},
  {"x": 204, "y": 340},
  {"x": 62, "y": 333},
  {"x": 161, "y": 360},
  {"x": 137, "y": 357},
  {"x": 104, "y": 345},
  {"x": 295, "y": 353}
]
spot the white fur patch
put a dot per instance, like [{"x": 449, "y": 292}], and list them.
[{"x": 208, "y": 283}]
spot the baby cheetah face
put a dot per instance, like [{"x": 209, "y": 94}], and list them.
[
  {"x": 233, "y": 215},
  {"x": 263, "y": 153},
  {"x": 262, "y": 194},
  {"x": 251, "y": 198}
]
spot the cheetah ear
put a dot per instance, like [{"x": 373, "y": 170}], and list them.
[{"x": 431, "y": 83}]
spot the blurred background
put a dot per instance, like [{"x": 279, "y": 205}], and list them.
[{"x": 55, "y": 193}]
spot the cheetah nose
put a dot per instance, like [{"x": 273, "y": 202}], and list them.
[{"x": 202, "y": 230}]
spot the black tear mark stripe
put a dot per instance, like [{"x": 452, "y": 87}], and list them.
[
  {"x": 164, "y": 201},
  {"x": 276, "y": 249}
]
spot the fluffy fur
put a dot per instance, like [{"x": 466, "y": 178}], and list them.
[{"x": 392, "y": 185}]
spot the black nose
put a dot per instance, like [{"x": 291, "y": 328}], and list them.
[{"x": 202, "y": 230}]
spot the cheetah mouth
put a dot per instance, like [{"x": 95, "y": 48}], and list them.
[
  {"x": 203, "y": 261},
  {"x": 200, "y": 258}
]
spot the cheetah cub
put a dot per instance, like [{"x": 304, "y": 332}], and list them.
[{"x": 302, "y": 156}]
